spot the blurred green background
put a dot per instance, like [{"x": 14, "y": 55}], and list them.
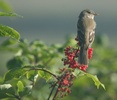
[{"x": 52, "y": 21}]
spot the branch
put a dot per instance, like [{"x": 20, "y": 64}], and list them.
[
  {"x": 52, "y": 91},
  {"x": 45, "y": 71},
  {"x": 56, "y": 92},
  {"x": 60, "y": 80}
]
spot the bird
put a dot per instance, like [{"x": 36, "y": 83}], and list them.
[{"x": 85, "y": 34}]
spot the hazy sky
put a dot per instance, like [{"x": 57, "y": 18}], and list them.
[{"x": 56, "y": 18}]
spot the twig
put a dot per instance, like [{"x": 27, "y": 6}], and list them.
[
  {"x": 52, "y": 91},
  {"x": 56, "y": 92},
  {"x": 60, "y": 80},
  {"x": 45, "y": 71}
]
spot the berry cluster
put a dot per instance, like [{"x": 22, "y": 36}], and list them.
[
  {"x": 90, "y": 52},
  {"x": 70, "y": 54},
  {"x": 70, "y": 60},
  {"x": 65, "y": 82}
]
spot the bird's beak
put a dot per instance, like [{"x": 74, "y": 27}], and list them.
[{"x": 96, "y": 14}]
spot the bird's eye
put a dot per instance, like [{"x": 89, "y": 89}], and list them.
[{"x": 89, "y": 12}]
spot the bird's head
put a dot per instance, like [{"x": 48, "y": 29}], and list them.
[{"x": 87, "y": 13}]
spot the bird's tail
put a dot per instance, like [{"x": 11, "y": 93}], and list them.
[{"x": 83, "y": 56}]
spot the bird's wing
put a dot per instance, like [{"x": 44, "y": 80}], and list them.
[{"x": 86, "y": 31}]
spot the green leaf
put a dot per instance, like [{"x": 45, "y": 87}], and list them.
[
  {"x": 30, "y": 75},
  {"x": 76, "y": 72},
  {"x": 5, "y": 6},
  {"x": 22, "y": 91},
  {"x": 28, "y": 88},
  {"x": 18, "y": 61},
  {"x": 9, "y": 42},
  {"x": 14, "y": 73},
  {"x": 20, "y": 86},
  {"x": 6, "y": 89},
  {"x": 26, "y": 91},
  {"x": 44, "y": 75},
  {"x": 9, "y": 45},
  {"x": 10, "y": 95},
  {"x": 9, "y": 14},
  {"x": 6, "y": 31},
  {"x": 95, "y": 79}
]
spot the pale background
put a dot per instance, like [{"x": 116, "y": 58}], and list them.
[{"x": 52, "y": 20}]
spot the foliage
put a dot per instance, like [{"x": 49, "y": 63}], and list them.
[
  {"x": 9, "y": 14},
  {"x": 32, "y": 62},
  {"x": 4, "y": 6},
  {"x": 6, "y": 31}
]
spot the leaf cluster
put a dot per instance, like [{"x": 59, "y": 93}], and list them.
[{"x": 32, "y": 62}]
